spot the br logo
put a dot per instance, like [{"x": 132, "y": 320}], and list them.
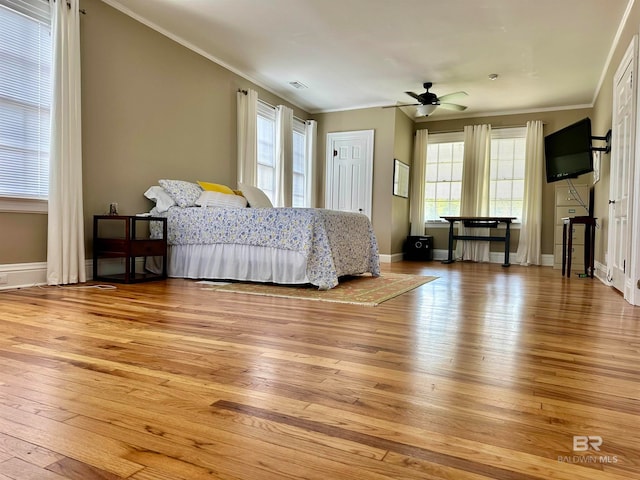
[{"x": 582, "y": 443}]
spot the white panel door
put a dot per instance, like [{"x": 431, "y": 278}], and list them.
[
  {"x": 621, "y": 175},
  {"x": 349, "y": 171}
]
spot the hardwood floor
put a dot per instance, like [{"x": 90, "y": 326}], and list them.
[{"x": 485, "y": 373}]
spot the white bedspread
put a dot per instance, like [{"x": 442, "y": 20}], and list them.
[{"x": 330, "y": 243}]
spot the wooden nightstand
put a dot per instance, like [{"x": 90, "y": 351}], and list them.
[{"x": 120, "y": 236}]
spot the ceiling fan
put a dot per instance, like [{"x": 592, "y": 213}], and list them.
[{"x": 430, "y": 101}]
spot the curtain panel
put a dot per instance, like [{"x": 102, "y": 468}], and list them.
[
  {"x": 247, "y": 136},
  {"x": 284, "y": 156},
  {"x": 418, "y": 179},
  {"x": 65, "y": 240},
  {"x": 529, "y": 245},
  {"x": 475, "y": 190}
]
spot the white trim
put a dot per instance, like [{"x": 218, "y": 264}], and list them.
[
  {"x": 22, "y": 275},
  {"x": 23, "y": 205},
  {"x": 25, "y": 275},
  {"x": 612, "y": 50},
  {"x": 494, "y": 257}
]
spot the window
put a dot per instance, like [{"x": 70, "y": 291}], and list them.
[
  {"x": 443, "y": 183},
  {"x": 506, "y": 185},
  {"x": 267, "y": 161},
  {"x": 266, "y": 133},
  {"x": 443, "y": 176},
  {"x": 25, "y": 100}
]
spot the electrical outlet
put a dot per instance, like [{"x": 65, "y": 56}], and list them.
[{"x": 4, "y": 278}]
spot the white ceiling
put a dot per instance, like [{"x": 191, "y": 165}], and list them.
[{"x": 361, "y": 53}]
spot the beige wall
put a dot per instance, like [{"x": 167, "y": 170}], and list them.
[
  {"x": 382, "y": 122},
  {"x": 151, "y": 109},
  {"x": 552, "y": 121},
  {"x": 403, "y": 151}
]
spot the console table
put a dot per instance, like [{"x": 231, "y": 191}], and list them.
[
  {"x": 589, "y": 243},
  {"x": 480, "y": 222}
]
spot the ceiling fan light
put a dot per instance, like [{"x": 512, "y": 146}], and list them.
[{"x": 425, "y": 110}]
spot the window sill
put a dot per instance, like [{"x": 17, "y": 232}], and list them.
[{"x": 23, "y": 205}]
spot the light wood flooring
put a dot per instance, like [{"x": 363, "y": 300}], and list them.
[{"x": 484, "y": 373}]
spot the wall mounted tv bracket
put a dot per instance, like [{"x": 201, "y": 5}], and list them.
[{"x": 606, "y": 138}]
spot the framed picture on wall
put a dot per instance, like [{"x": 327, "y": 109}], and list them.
[{"x": 400, "y": 178}]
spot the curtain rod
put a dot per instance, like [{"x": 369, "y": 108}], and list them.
[
  {"x": 246, "y": 92},
  {"x": 81, "y": 10},
  {"x": 496, "y": 127},
  {"x": 269, "y": 105}
]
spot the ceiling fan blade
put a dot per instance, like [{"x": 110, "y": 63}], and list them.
[
  {"x": 452, "y": 96},
  {"x": 414, "y": 95},
  {"x": 453, "y": 106},
  {"x": 401, "y": 105}
]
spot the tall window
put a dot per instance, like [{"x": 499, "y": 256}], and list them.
[
  {"x": 443, "y": 176},
  {"x": 443, "y": 183},
  {"x": 267, "y": 166},
  {"x": 507, "y": 172},
  {"x": 267, "y": 150},
  {"x": 25, "y": 100}
]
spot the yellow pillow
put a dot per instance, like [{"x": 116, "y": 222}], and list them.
[{"x": 215, "y": 187}]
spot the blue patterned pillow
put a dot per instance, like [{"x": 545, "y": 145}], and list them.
[{"x": 184, "y": 193}]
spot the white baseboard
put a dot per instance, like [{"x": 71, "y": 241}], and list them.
[
  {"x": 495, "y": 257},
  {"x": 23, "y": 275}
]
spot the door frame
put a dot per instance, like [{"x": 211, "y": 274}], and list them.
[
  {"x": 620, "y": 238},
  {"x": 332, "y": 137}
]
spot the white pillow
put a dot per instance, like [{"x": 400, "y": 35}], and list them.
[
  {"x": 209, "y": 198},
  {"x": 162, "y": 199},
  {"x": 256, "y": 197},
  {"x": 184, "y": 193}
]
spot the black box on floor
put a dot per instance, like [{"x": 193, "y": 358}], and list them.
[{"x": 419, "y": 248}]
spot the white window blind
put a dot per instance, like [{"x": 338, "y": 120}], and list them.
[{"x": 25, "y": 99}]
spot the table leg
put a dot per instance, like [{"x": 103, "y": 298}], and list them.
[
  {"x": 593, "y": 248},
  {"x": 564, "y": 248},
  {"x": 507, "y": 245},
  {"x": 450, "y": 255},
  {"x": 569, "y": 248}
]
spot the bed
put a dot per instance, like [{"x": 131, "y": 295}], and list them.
[{"x": 277, "y": 245}]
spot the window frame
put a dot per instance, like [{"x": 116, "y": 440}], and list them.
[
  {"x": 37, "y": 11},
  {"x": 454, "y": 137},
  {"x": 268, "y": 112},
  {"x": 435, "y": 139}
]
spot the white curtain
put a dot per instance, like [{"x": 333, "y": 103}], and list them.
[
  {"x": 284, "y": 156},
  {"x": 475, "y": 190},
  {"x": 530, "y": 232},
  {"x": 247, "y": 136},
  {"x": 65, "y": 240},
  {"x": 311, "y": 141},
  {"x": 419, "y": 167}
]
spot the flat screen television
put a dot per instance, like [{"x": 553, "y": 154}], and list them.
[{"x": 568, "y": 151}]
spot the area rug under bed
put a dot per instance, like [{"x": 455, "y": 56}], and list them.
[{"x": 359, "y": 290}]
